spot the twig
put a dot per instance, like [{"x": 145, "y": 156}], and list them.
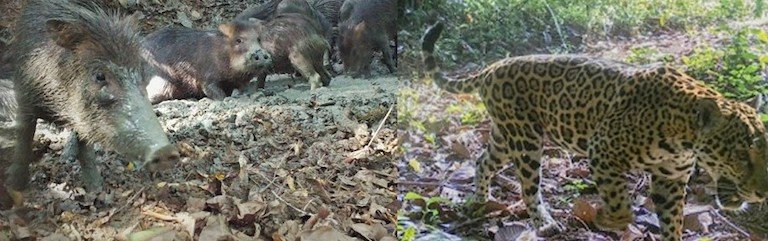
[
  {"x": 160, "y": 216},
  {"x": 271, "y": 181},
  {"x": 287, "y": 203},
  {"x": 375, "y": 133},
  {"x": 729, "y": 223},
  {"x": 475, "y": 220},
  {"x": 129, "y": 201},
  {"x": 415, "y": 183},
  {"x": 557, "y": 25}
]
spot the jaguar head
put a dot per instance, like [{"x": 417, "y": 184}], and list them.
[{"x": 732, "y": 147}]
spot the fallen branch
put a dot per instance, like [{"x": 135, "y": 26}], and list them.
[
  {"x": 160, "y": 216},
  {"x": 729, "y": 223},
  {"x": 287, "y": 203},
  {"x": 376, "y": 133}
]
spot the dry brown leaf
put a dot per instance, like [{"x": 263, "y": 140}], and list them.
[
  {"x": 215, "y": 228},
  {"x": 187, "y": 221},
  {"x": 153, "y": 234},
  {"x": 324, "y": 233},
  {"x": 249, "y": 212},
  {"x": 288, "y": 231},
  {"x": 322, "y": 214},
  {"x": 365, "y": 230},
  {"x": 584, "y": 211},
  {"x": 52, "y": 237},
  {"x": 632, "y": 233},
  {"x": 460, "y": 150},
  {"x": 195, "y": 204},
  {"x": 698, "y": 222},
  {"x": 578, "y": 172},
  {"x": 20, "y": 232}
]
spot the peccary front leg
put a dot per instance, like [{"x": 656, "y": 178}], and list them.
[
  {"x": 18, "y": 173},
  {"x": 69, "y": 152},
  {"x": 386, "y": 55},
  {"x": 261, "y": 80},
  {"x": 86, "y": 155},
  {"x": 214, "y": 91}
]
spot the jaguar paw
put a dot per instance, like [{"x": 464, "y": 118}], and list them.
[{"x": 617, "y": 223}]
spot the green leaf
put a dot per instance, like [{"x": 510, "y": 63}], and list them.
[
  {"x": 409, "y": 234},
  {"x": 413, "y": 196},
  {"x": 436, "y": 199},
  {"x": 762, "y": 36},
  {"x": 764, "y": 117},
  {"x": 415, "y": 165}
]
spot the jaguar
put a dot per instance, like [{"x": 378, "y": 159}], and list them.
[{"x": 622, "y": 117}]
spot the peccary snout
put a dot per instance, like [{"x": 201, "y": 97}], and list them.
[
  {"x": 261, "y": 55},
  {"x": 162, "y": 158}
]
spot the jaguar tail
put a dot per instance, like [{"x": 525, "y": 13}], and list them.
[{"x": 463, "y": 85}]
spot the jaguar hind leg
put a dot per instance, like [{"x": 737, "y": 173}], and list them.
[
  {"x": 525, "y": 153},
  {"x": 493, "y": 160}
]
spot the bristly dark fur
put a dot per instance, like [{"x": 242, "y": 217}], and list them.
[
  {"x": 7, "y": 101},
  {"x": 116, "y": 37}
]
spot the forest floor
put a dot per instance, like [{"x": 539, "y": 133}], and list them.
[
  {"x": 444, "y": 134},
  {"x": 256, "y": 165}
]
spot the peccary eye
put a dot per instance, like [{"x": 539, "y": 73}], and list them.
[
  {"x": 258, "y": 39},
  {"x": 239, "y": 41},
  {"x": 100, "y": 77}
]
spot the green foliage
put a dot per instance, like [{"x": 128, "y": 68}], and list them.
[
  {"x": 404, "y": 230},
  {"x": 576, "y": 185},
  {"x": 735, "y": 68},
  {"x": 647, "y": 55},
  {"x": 430, "y": 211},
  {"x": 492, "y": 29},
  {"x": 472, "y": 113}
]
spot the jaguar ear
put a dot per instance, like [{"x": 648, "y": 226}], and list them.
[
  {"x": 708, "y": 115},
  {"x": 756, "y": 102}
]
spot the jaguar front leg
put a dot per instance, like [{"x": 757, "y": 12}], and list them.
[
  {"x": 616, "y": 212},
  {"x": 669, "y": 199}
]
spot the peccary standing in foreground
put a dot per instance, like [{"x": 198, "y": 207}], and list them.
[{"x": 80, "y": 67}]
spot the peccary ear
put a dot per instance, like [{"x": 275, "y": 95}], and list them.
[
  {"x": 360, "y": 27},
  {"x": 65, "y": 34},
  {"x": 228, "y": 29},
  {"x": 708, "y": 115}
]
